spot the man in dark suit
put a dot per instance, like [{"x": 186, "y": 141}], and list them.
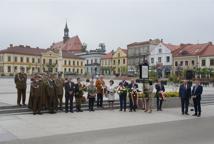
[
  {"x": 123, "y": 95},
  {"x": 159, "y": 87},
  {"x": 196, "y": 96},
  {"x": 132, "y": 85},
  {"x": 185, "y": 95},
  {"x": 69, "y": 94}
]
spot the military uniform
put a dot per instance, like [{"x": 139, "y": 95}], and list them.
[
  {"x": 21, "y": 85},
  {"x": 59, "y": 82},
  {"x": 51, "y": 96},
  {"x": 78, "y": 96},
  {"x": 36, "y": 96},
  {"x": 45, "y": 93}
]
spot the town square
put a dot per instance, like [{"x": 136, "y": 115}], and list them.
[{"x": 123, "y": 71}]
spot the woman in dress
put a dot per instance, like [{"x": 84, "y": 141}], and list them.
[{"x": 111, "y": 94}]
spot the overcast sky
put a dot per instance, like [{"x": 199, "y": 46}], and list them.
[{"x": 114, "y": 22}]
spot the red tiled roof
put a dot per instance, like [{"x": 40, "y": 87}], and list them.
[
  {"x": 24, "y": 50},
  {"x": 72, "y": 44},
  {"x": 68, "y": 54},
  {"x": 107, "y": 56},
  {"x": 190, "y": 49},
  {"x": 155, "y": 42},
  {"x": 209, "y": 51},
  {"x": 125, "y": 51},
  {"x": 171, "y": 46}
]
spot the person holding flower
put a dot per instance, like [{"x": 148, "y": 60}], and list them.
[
  {"x": 122, "y": 91},
  {"x": 111, "y": 94}
]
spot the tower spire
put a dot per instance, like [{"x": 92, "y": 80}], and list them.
[{"x": 66, "y": 33}]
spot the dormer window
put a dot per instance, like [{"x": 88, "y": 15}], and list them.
[{"x": 160, "y": 50}]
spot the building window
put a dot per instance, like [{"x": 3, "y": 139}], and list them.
[
  {"x": 118, "y": 62},
  {"x": 77, "y": 63},
  {"x": 118, "y": 55},
  {"x": 15, "y": 59},
  {"x": 124, "y": 61},
  {"x": 33, "y": 60},
  {"x": 95, "y": 60},
  {"x": 9, "y": 69},
  {"x": 56, "y": 61},
  {"x": 69, "y": 62},
  {"x": 160, "y": 50},
  {"x": 73, "y": 70},
  {"x": 15, "y": 68},
  {"x": 114, "y": 62},
  {"x": 168, "y": 59},
  {"x": 64, "y": 69},
  {"x": 38, "y": 60},
  {"x": 43, "y": 61},
  {"x": 81, "y": 63},
  {"x": 9, "y": 58},
  {"x": 152, "y": 60},
  {"x": 50, "y": 61},
  {"x": 74, "y": 63},
  {"x": 159, "y": 59},
  {"x": 211, "y": 62},
  {"x": 203, "y": 62},
  {"x": 65, "y": 62},
  {"x": 78, "y": 71},
  {"x": 21, "y": 59},
  {"x": 69, "y": 70},
  {"x": 27, "y": 59},
  {"x": 193, "y": 62},
  {"x": 81, "y": 71},
  {"x": 87, "y": 61},
  {"x": 181, "y": 63},
  {"x": 91, "y": 61},
  {"x": 186, "y": 63},
  {"x": 176, "y": 63}
]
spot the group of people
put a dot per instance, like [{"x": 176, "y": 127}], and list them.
[
  {"x": 47, "y": 91},
  {"x": 187, "y": 93}
]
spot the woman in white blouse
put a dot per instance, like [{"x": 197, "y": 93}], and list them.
[{"x": 111, "y": 94}]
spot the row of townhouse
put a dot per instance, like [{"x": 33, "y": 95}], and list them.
[{"x": 164, "y": 58}]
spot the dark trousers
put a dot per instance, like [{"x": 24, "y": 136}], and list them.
[
  {"x": 69, "y": 100},
  {"x": 21, "y": 93},
  {"x": 99, "y": 99},
  {"x": 91, "y": 104},
  {"x": 60, "y": 101},
  {"x": 159, "y": 103},
  {"x": 184, "y": 105},
  {"x": 122, "y": 101},
  {"x": 197, "y": 105}
]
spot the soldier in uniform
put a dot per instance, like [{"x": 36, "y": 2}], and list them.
[
  {"x": 44, "y": 94},
  {"x": 59, "y": 82},
  {"x": 78, "y": 95},
  {"x": 100, "y": 85},
  {"x": 21, "y": 85},
  {"x": 51, "y": 95},
  {"x": 36, "y": 94}
]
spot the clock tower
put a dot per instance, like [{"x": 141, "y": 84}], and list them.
[{"x": 66, "y": 33}]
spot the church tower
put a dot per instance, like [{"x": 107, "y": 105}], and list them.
[{"x": 66, "y": 33}]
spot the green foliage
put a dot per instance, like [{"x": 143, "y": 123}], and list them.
[{"x": 171, "y": 94}]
